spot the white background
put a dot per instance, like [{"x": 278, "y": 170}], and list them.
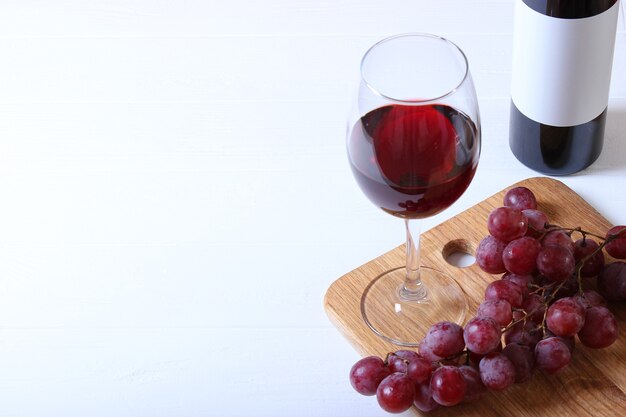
[{"x": 176, "y": 198}]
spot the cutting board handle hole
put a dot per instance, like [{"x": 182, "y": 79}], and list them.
[{"x": 459, "y": 253}]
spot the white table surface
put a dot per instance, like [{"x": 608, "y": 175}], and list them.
[{"x": 176, "y": 198}]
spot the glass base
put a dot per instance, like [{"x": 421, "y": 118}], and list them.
[{"x": 404, "y": 320}]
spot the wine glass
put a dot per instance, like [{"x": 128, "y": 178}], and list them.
[{"x": 413, "y": 144}]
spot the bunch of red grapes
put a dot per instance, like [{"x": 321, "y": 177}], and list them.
[{"x": 553, "y": 289}]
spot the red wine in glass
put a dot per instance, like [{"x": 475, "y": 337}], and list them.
[
  {"x": 414, "y": 161},
  {"x": 413, "y": 145}
]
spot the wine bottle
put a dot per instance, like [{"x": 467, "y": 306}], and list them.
[{"x": 562, "y": 59}]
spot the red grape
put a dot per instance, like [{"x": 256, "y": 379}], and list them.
[
  {"x": 522, "y": 358},
  {"x": 565, "y": 317},
  {"x": 448, "y": 385},
  {"x": 535, "y": 306},
  {"x": 518, "y": 314},
  {"x": 367, "y": 373},
  {"x": 612, "y": 281},
  {"x": 419, "y": 370},
  {"x": 590, "y": 298},
  {"x": 474, "y": 385},
  {"x": 498, "y": 310},
  {"x": 537, "y": 221},
  {"x": 399, "y": 360},
  {"x": 426, "y": 352},
  {"x": 504, "y": 290},
  {"x": 558, "y": 238},
  {"x": 616, "y": 248},
  {"x": 570, "y": 341},
  {"x": 600, "y": 329},
  {"x": 526, "y": 334},
  {"x": 496, "y": 371},
  {"x": 524, "y": 281},
  {"x": 396, "y": 393},
  {"x": 424, "y": 398},
  {"x": 552, "y": 355},
  {"x": 556, "y": 263},
  {"x": 520, "y": 255},
  {"x": 482, "y": 335},
  {"x": 520, "y": 198},
  {"x": 489, "y": 255},
  {"x": 584, "y": 248},
  {"x": 445, "y": 339},
  {"x": 506, "y": 223}
]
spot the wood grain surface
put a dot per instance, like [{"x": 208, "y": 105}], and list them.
[{"x": 595, "y": 382}]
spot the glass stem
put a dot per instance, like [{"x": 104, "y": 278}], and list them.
[{"x": 413, "y": 288}]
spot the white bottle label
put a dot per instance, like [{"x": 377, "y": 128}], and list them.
[{"x": 562, "y": 67}]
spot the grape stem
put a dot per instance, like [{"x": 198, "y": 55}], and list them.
[
  {"x": 527, "y": 314},
  {"x": 548, "y": 298},
  {"x": 553, "y": 227},
  {"x": 514, "y": 322},
  {"x": 579, "y": 265},
  {"x": 548, "y": 292}
]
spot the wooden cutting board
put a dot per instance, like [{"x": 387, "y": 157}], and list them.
[{"x": 594, "y": 384}]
